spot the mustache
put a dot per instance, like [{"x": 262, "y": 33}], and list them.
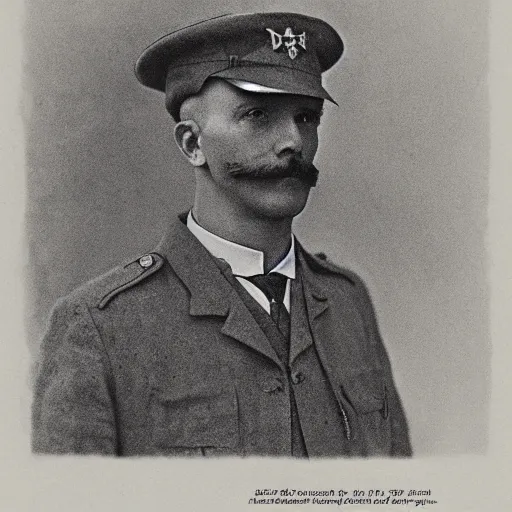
[{"x": 294, "y": 168}]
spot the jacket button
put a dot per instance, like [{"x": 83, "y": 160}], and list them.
[
  {"x": 146, "y": 261},
  {"x": 298, "y": 377},
  {"x": 271, "y": 385}
]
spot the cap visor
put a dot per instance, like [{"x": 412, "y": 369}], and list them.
[{"x": 286, "y": 80}]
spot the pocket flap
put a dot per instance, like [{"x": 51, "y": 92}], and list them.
[
  {"x": 198, "y": 416},
  {"x": 366, "y": 391}
]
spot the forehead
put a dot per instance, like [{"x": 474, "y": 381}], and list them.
[{"x": 218, "y": 94}]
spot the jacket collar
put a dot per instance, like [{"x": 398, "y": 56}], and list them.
[
  {"x": 204, "y": 277},
  {"x": 196, "y": 268}
]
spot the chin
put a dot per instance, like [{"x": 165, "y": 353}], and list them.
[{"x": 278, "y": 207}]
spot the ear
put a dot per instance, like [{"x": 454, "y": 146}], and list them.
[{"x": 187, "y": 136}]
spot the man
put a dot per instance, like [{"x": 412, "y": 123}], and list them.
[{"x": 229, "y": 338}]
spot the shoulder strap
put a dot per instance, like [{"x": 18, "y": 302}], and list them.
[{"x": 129, "y": 275}]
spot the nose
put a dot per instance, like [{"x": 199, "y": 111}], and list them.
[{"x": 288, "y": 138}]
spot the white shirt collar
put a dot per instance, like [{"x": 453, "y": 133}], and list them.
[{"x": 243, "y": 261}]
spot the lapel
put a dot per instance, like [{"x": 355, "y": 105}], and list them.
[
  {"x": 309, "y": 301},
  {"x": 211, "y": 293},
  {"x": 334, "y": 319},
  {"x": 300, "y": 333}
]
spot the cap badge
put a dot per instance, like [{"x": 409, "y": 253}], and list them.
[{"x": 288, "y": 42}]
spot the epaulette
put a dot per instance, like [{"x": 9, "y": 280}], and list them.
[
  {"x": 129, "y": 275},
  {"x": 320, "y": 263}
]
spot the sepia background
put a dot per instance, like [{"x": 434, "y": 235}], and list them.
[{"x": 402, "y": 196}]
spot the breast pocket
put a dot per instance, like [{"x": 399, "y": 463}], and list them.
[
  {"x": 367, "y": 394},
  {"x": 194, "y": 419}
]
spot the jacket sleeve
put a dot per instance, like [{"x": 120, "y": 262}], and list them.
[
  {"x": 73, "y": 410},
  {"x": 400, "y": 442}
]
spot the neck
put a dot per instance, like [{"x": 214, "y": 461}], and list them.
[{"x": 270, "y": 236}]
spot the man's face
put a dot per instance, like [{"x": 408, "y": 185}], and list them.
[{"x": 259, "y": 148}]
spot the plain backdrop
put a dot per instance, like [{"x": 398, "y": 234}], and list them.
[{"x": 402, "y": 195}]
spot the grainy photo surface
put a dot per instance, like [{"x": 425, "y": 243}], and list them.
[{"x": 175, "y": 352}]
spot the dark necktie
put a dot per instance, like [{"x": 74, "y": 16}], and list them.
[{"x": 273, "y": 285}]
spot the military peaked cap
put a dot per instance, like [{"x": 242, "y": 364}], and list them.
[{"x": 283, "y": 52}]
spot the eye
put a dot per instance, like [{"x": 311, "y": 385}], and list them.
[
  {"x": 256, "y": 114},
  {"x": 309, "y": 117}
]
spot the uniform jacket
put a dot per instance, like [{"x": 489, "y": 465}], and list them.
[{"x": 162, "y": 357}]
